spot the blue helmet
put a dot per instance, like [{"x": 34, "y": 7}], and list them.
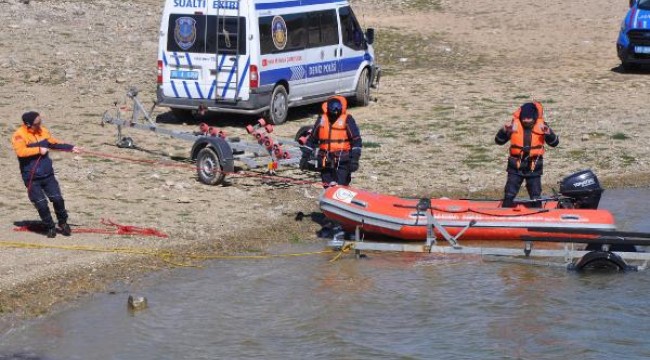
[{"x": 334, "y": 109}]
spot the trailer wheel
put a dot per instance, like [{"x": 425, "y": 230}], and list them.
[
  {"x": 362, "y": 96},
  {"x": 208, "y": 167},
  {"x": 279, "y": 107},
  {"x": 601, "y": 260}
]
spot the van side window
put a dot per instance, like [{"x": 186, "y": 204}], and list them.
[
  {"x": 186, "y": 33},
  {"x": 296, "y": 33},
  {"x": 226, "y": 31},
  {"x": 350, "y": 30},
  {"x": 322, "y": 28}
]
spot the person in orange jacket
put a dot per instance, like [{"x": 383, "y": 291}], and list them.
[
  {"x": 32, "y": 142},
  {"x": 336, "y": 141},
  {"x": 527, "y": 133}
]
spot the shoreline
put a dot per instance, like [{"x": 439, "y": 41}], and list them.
[{"x": 42, "y": 296}]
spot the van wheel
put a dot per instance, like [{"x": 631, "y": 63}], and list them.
[
  {"x": 362, "y": 97},
  {"x": 208, "y": 167},
  {"x": 182, "y": 114},
  {"x": 279, "y": 107}
]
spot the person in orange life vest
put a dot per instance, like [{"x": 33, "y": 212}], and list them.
[
  {"x": 32, "y": 142},
  {"x": 527, "y": 134},
  {"x": 337, "y": 142}
]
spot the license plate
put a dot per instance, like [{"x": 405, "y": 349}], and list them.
[
  {"x": 642, "y": 49},
  {"x": 184, "y": 75}
]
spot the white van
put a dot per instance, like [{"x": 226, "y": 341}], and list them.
[{"x": 262, "y": 56}]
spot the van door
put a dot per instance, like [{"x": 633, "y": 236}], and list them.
[
  {"x": 352, "y": 51},
  {"x": 229, "y": 55},
  {"x": 321, "y": 56},
  {"x": 183, "y": 54}
]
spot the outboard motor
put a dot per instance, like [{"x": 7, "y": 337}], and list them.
[{"x": 583, "y": 189}]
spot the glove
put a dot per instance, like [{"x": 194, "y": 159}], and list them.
[{"x": 355, "y": 154}]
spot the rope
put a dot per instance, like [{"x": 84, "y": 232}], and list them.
[
  {"x": 245, "y": 174},
  {"x": 344, "y": 249},
  {"x": 119, "y": 230}
]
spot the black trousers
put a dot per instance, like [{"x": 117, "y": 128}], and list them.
[
  {"x": 513, "y": 184},
  {"x": 339, "y": 174},
  {"x": 39, "y": 190}
]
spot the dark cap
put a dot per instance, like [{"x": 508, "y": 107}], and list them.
[
  {"x": 29, "y": 117},
  {"x": 528, "y": 111}
]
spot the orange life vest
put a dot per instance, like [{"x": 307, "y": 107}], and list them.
[
  {"x": 334, "y": 137},
  {"x": 537, "y": 138}
]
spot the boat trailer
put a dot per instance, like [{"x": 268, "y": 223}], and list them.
[
  {"x": 215, "y": 153},
  {"x": 605, "y": 250}
]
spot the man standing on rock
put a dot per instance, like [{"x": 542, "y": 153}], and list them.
[
  {"x": 337, "y": 139},
  {"x": 527, "y": 133},
  {"x": 32, "y": 143}
]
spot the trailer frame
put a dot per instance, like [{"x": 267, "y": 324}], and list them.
[{"x": 226, "y": 150}]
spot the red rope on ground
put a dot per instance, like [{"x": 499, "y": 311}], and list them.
[
  {"x": 118, "y": 230},
  {"x": 134, "y": 230},
  {"x": 247, "y": 174}
]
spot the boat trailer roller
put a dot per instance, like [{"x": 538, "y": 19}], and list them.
[{"x": 215, "y": 154}]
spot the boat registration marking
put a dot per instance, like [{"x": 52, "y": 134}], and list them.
[{"x": 344, "y": 195}]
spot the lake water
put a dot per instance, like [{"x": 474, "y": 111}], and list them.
[{"x": 388, "y": 306}]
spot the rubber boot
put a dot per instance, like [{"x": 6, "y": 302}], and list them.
[{"x": 65, "y": 229}]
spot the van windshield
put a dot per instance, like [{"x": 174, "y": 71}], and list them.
[{"x": 644, "y": 4}]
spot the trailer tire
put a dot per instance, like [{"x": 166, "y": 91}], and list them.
[
  {"x": 279, "y": 106},
  {"x": 601, "y": 260},
  {"x": 208, "y": 167},
  {"x": 362, "y": 96}
]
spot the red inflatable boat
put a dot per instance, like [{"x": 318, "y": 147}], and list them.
[{"x": 401, "y": 218}]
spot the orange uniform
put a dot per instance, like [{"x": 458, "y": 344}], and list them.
[{"x": 26, "y": 143}]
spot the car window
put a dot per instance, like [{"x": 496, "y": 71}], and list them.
[
  {"x": 282, "y": 33},
  {"x": 226, "y": 31},
  {"x": 186, "y": 33},
  {"x": 322, "y": 28},
  {"x": 644, "y": 4},
  {"x": 350, "y": 29},
  {"x": 199, "y": 34}
]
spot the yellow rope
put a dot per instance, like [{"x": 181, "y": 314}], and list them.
[
  {"x": 344, "y": 249},
  {"x": 164, "y": 255}
]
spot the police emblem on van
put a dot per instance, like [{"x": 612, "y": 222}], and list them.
[
  {"x": 185, "y": 32},
  {"x": 279, "y": 32}
]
